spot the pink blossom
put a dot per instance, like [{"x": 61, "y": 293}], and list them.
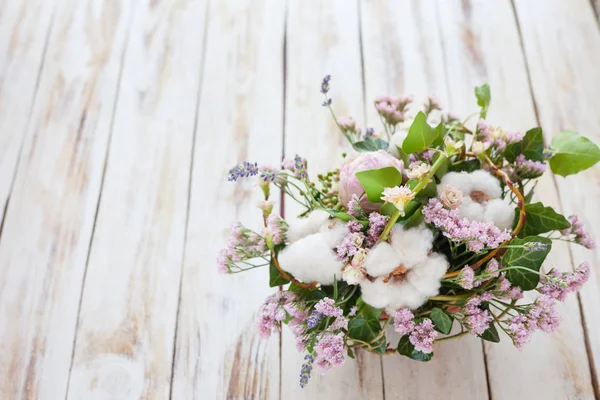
[
  {"x": 465, "y": 277},
  {"x": 328, "y": 308},
  {"x": 331, "y": 351},
  {"x": 557, "y": 285},
  {"x": 478, "y": 320},
  {"x": 404, "y": 321},
  {"x": 349, "y": 185},
  {"x": 276, "y": 309},
  {"x": 580, "y": 235},
  {"x": 423, "y": 336}
]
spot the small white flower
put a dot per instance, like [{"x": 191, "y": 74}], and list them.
[
  {"x": 352, "y": 274},
  {"x": 266, "y": 206},
  {"x": 399, "y": 196},
  {"x": 418, "y": 171},
  {"x": 450, "y": 196},
  {"x": 479, "y": 148},
  {"x": 453, "y": 147}
]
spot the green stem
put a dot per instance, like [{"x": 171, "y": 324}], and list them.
[
  {"x": 452, "y": 337},
  {"x": 450, "y": 298}
]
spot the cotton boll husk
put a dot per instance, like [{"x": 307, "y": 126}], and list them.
[
  {"x": 471, "y": 210},
  {"x": 391, "y": 295},
  {"x": 500, "y": 213},
  {"x": 411, "y": 245},
  {"x": 426, "y": 276},
  {"x": 459, "y": 180},
  {"x": 396, "y": 141},
  {"x": 381, "y": 260},
  {"x": 484, "y": 182},
  {"x": 302, "y": 227},
  {"x": 312, "y": 258}
]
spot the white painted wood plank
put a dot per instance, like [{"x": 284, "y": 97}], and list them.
[
  {"x": 403, "y": 55},
  {"x": 49, "y": 222},
  {"x": 562, "y": 44},
  {"x": 555, "y": 366},
  {"x": 24, "y": 28},
  {"x": 219, "y": 353},
  {"x": 126, "y": 332},
  {"x": 323, "y": 38}
]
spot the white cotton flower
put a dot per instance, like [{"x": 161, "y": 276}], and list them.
[
  {"x": 312, "y": 258},
  {"x": 381, "y": 260},
  {"x": 501, "y": 213},
  {"x": 302, "y": 227},
  {"x": 427, "y": 275},
  {"x": 481, "y": 198}
]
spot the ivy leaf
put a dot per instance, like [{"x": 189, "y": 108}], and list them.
[
  {"x": 415, "y": 219},
  {"x": 541, "y": 219},
  {"x": 404, "y": 157},
  {"x": 364, "y": 327},
  {"x": 375, "y": 180},
  {"x": 484, "y": 98},
  {"x": 420, "y": 135},
  {"x": 441, "y": 133},
  {"x": 572, "y": 153},
  {"x": 275, "y": 279},
  {"x": 531, "y": 261},
  {"x": 388, "y": 209},
  {"x": 532, "y": 146},
  {"x": 307, "y": 294},
  {"x": 381, "y": 345},
  {"x": 406, "y": 348},
  {"x": 370, "y": 144},
  {"x": 491, "y": 334},
  {"x": 441, "y": 320}
]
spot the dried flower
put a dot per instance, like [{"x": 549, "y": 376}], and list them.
[
  {"x": 580, "y": 235},
  {"x": 465, "y": 277},
  {"x": 331, "y": 351},
  {"x": 404, "y": 321},
  {"x": 423, "y": 336},
  {"x": 418, "y": 170},
  {"x": 399, "y": 196},
  {"x": 328, "y": 308}
]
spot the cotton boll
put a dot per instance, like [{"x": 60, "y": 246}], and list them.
[
  {"x": 391, "y": 295},
  {"x": 412, "y": 245},
  {"x": 381, "y": 260},
  {"x": 333, "y": 232},
  {"x": 396, "y": 141},
  {"x": 375, "y": 294},
  {"x": 312, "y": 259},
  {"x": 459, "y": 180},
  {"x": 471, "y": 210},
  {"x": 483, "y": 181},
  {"x": 500, "y": 213},
  {"x": 302, "y": 227},
  {"x": 426, "y": 276}
]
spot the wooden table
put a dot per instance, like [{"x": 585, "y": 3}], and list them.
[{"x": 120, "y": 118}]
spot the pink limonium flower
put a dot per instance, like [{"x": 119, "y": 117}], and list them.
[
  {"x": 328, "y": 308},
  {"x": 423, "y": 336},
  {"x": 277, "y": 228},
  {"x": 339, "y": 323},
  {"x": 476, "y": 235},
  {"x": 466, "y": 277},
  {"x": 392, "y": 109},
  {"x": 543, "y": 314},
  {"x": 525, "y": 169},
  {"x": 490, "y": 272},
  {"x": 580, "y": 235},
  {"x": 243, "y": 244},
  {"x": 377, "y": 223},
  {"x": 558, "y": 284},
  {"x": 347, "y": 124},
  {"x": 520, "y": 329},
  {"x": 330, "y": 351},
  {"x": 350, "y": 245},
  {"x": 276, "y": 309},
  {"x": 505, "y": 290},
  {"x": 478, "y": 320},
  {"x": 399, "y": 196},
  {"x": 349, "y": 184},
  {"x": 404, "y": 321}
]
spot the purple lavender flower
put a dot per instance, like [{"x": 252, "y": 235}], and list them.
[
  {"x": 313, "y": 319},
  {"x": 328, "y": 308},
  {"x": 325, "y": 84},
  {"x": 368, "y": 133},
  {"x": 331, "y": 351},
  {"x": 535, "y": 246},
  {"x": 243, "y": 170},
  {"x": 306, "y": 370},
  {"x": 580, "y": 235},
  {"x": 404, "y": 321},
  {"x": 477, "y": 235},
  {"x": 377, "y": 223},
  {"x": 423, "y": 336}
]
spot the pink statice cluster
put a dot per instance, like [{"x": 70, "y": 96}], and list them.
[
  {"x": 277, "y": 227},
  {"x": 351, "y": 243},
  {"x": 328, "y": 308},
  {"x": 421, "y": 335},
  {"x": 477, "y": 318},
  {"x": 578, "y": 233},
  {"x": 558, "y": 284},
  {"x": 330, "y": 351},
  {"x": 377, "y": 223},
  {"x": 404, "y": 321},
  {"x": 243, "y": 244},
  {"x": 524, "y": 169},
  {"x": 277, "y": 308},
  {"x": 466, "y": 277},
  {"x": 490, "y": 272},
  {"x": 393, "y": 109},
  {"x": 496, "y": 136},
  {"x": 505, "y": 290},
  {"x": 476, "y": 235},
  {"x": 540, "y": 315}
]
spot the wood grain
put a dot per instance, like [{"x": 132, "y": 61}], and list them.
[
  {"x": 126, "y": 332},
  {"x": 48, "y": 225},
  {"x": 401, "y": 57},
  {"x": 24, "y": 28},
  {"x": 552, "y": 365},
  {"x": 219, "y": 351},
  {"x": 566, "y": 37},
  {"x": 323, "y": 38}
]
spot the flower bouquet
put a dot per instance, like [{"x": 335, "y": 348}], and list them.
[{"x": 430, "y": 228}]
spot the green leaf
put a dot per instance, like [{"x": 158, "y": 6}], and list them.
[
  {"x": 526, "y": 278},
  {"x": 387, "y": 209},
  {"x": 532, "y": 146},
  {"x": 443, "y": 169},
  {"x": 484, "y": 97},
  {"x": 406, "y": 348},
  {"x": 420, "y": 135},
  {"x": 307, "y": 294},
  {"x": 491, "y": 334},
  {"x": 441, "y": 320},
  {"x": 441, "y": 132},
  {"x": 375, "y": 180},
  {"x": 274, "y": 278},
  {"x": 364, "y": 327},
  {"x": 380, "y": 345},
  {"x": 415, "y": 219},
  {"x": 404, "y": 157},
  {"x": 370, "y": 144},
  {"x": 572, "y": 153},
  {"x": 467, "y": 166},
  {"x": 541, "y": 219}
]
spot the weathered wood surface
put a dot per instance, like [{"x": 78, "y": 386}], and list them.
[{"x": 120, "y": 119}]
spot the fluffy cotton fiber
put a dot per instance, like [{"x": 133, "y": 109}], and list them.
[{"x": 302, "y": 227}]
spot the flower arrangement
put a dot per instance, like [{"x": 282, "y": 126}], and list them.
[{"x": 429, "y": 229}]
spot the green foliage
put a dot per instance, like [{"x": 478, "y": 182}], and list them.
[
  {"x": 491, "y": 334},
  {"x": 532, "y": 147},
  {"x": 364, "y": 327},
  {"x": 527, "y": 277},
  {"x": 275, "y": 279},
  {"x": 541, "y": 219},
  {"x": 428, "y": 191},
  {"x": 467, "y": 166},
  {"x": 307, "y": 294},
  {"x": 572, "y": 153},
  {"x": 413, "y": 220},
  {"x": 406, "y": 348},
  {"x": 370, "y": 144},
  {"x": 484, "y": 98},
  {"x": 404, "y": 157},
  {"x": 420, "y": 135},
  {"x": 441, "y": 320},
  {"x": 375, "y": 180}
]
